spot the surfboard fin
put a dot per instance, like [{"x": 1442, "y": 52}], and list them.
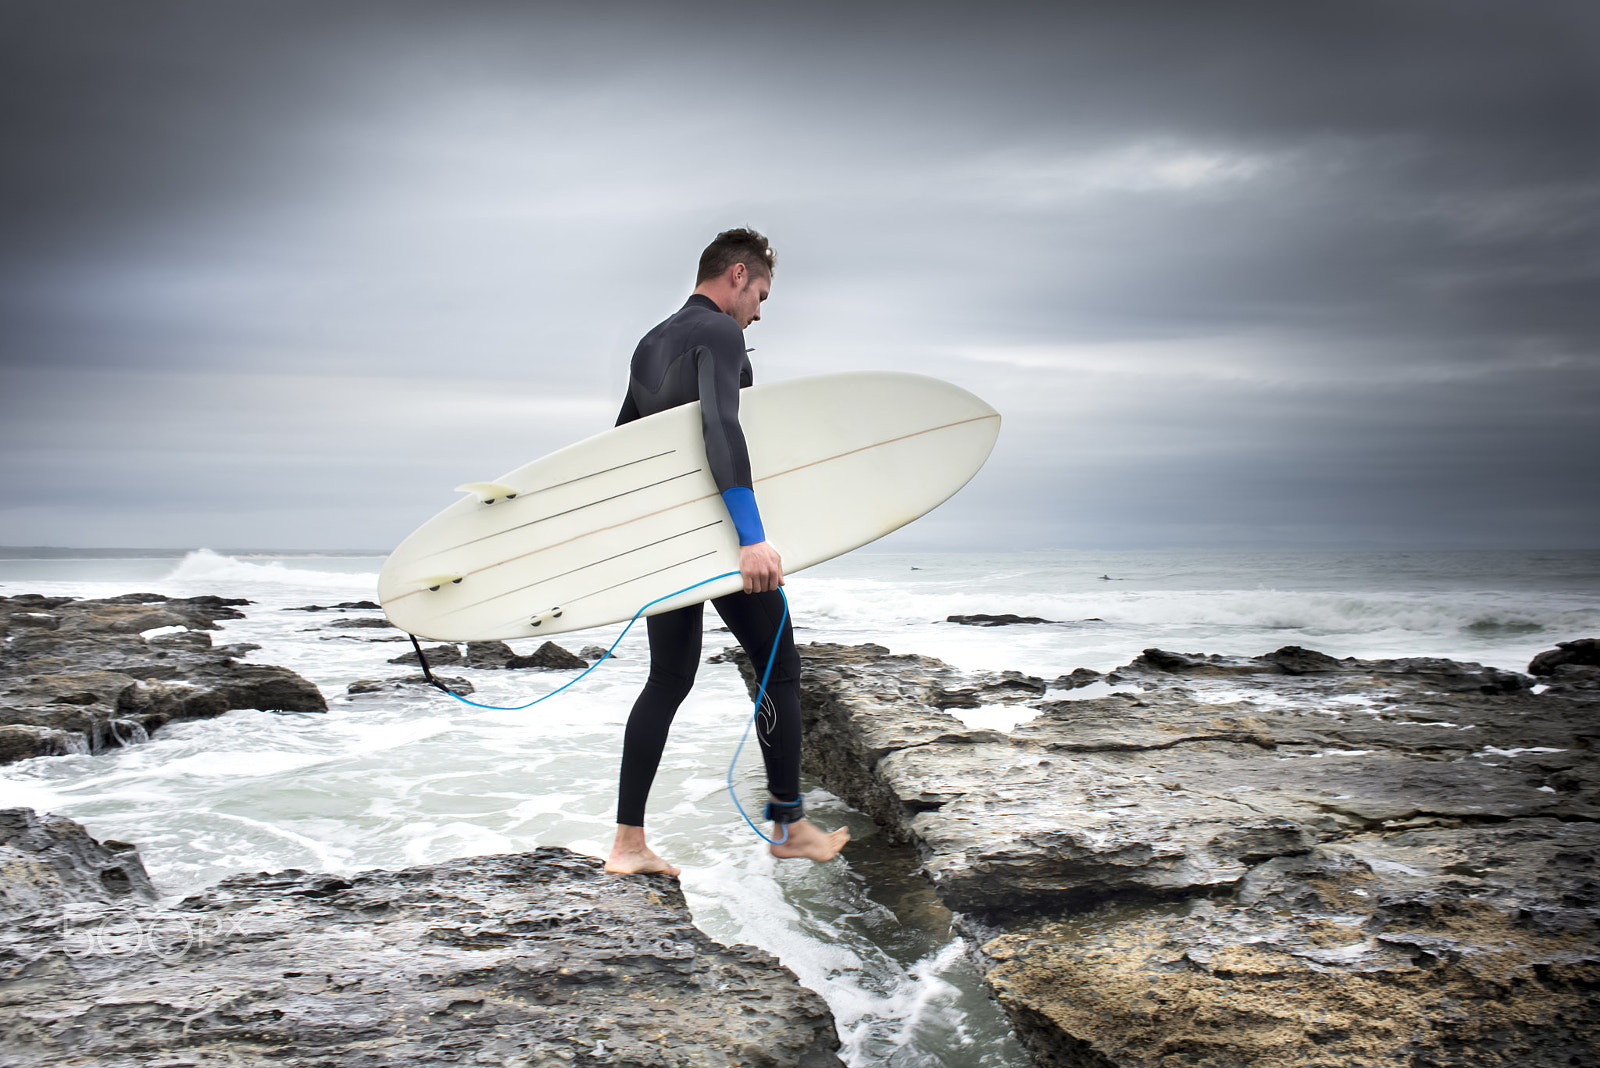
[
  {"x": 545, "y": 617},
  {"x": 433, "y": 582},
  {"x": 487, "y": 492}
]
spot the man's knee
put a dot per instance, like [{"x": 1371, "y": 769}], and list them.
[
  {"x": 672, "y": 685},
  {"x": 786, "y": 666}
]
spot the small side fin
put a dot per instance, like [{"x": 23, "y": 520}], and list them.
[
  {"x": 487, "y": 492},
  {"x": 433, "y": 582}
]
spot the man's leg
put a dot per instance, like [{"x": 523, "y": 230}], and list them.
[
  {"x": 674, "y": 657},
  {"x": 754, "y": 618}
]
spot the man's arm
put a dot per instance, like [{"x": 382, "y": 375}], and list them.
[{"x": 719, "y": 363}]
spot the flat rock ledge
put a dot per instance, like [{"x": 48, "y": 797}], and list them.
[
  {"x": 82, "y": 676},
  {"x": 1266, "y": 861},
  {"x": 530, "y": 960}
]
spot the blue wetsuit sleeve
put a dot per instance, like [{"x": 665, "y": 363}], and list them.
[{"x": 741, "y": 502}]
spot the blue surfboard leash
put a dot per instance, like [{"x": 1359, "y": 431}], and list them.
[{"x": 761, "y": 692}]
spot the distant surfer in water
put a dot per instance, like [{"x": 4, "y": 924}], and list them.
[{"x": 699, "y": 354}]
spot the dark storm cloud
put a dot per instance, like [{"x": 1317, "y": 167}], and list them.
[{"x": 1236, "y": 272}]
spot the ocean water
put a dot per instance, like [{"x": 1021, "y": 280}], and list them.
[{"x": 389, "y": 780}]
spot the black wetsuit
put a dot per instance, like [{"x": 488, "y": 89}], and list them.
[{"x": 698, "y": 354}]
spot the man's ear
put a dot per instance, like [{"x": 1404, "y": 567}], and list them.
[{"x": 740, "y": 274}]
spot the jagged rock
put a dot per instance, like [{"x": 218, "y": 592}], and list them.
[
  {"x": 1076, "y": 678},
  {"x": 455, "y": 684},
  {"x": 595, "y": 652},
  {"x": 1448, "y": 676},
  {"x": 21, "y": 741},
  {"x": 1585, "y": 652},
  {"x": 85, "y": 679},
  {"x": 1004, "y": 620},
  {"x": 1293, "y": 660},
  {"x": 531, "y": 959},
  {"x": 489, "y": 654},
  {"x": 1275, "y": 860},
  {"x": 438, "y": 655},
  {"x": 370, "y": 606},
  {"x": 458, "y": 686},
  {"x": 548, "y": 655},
  {"x": 496, "y": 654},
  {"x": 361, "y": 623},
  {"x": 1571, "y": 678},
  {"x": 48, "y": 862},
  {"x": 204, "y": 600},
  {"x": 211, "y": 600}
]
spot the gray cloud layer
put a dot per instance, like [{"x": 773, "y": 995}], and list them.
[{"x": 1236, "y": 273}]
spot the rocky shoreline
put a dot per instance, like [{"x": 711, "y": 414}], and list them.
[
  {"x": 1214, "y": 861},
  {"x": 83, "y": 676},
  {"x": 1276, "y": 860},
  {"x": 529, "y": 959},
  {"x": 539, "y": 959}
]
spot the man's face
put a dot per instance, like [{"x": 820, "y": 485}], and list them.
[{"x": 746, "y": 307}]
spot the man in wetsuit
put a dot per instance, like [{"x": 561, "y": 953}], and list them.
[{"x": 699, "y": 354}]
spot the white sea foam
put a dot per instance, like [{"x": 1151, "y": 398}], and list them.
[
  {"x": 158, "y": 632},
  {"x": 16, "y": 793},
  {"x": 239, "y": 765},
  {"x": 1002, "y": 717}
]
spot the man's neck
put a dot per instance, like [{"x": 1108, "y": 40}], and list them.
[{"x": 701, "y": 292}]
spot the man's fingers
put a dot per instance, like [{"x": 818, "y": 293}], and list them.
[{"x": 761, "y": 568}]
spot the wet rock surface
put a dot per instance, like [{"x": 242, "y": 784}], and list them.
[
  {"x": 438, "y": 656},
  {"x": 87, "y": 675},
  {"x": 455, "y": 683},
  {"x": 492, "y": 654},
  {"x": 1570, "y": 666},
  {"x": 1277, "y": 860},
  {"x": 370, "y": 606},
  {"x": 549, "y": 656},
  {"x": 1003, "y": 620},
  {"x": 48, "y": 862},
  {"x": 526, "y": 959}
]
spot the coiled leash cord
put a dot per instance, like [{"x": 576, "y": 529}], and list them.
[{"x": 761, "y": 692}]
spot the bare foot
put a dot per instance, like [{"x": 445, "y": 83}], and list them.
[
  {"x": 630, "y": 855},
  {"x": 806, "y": 841},
  {"x": 640, "y": 863}
]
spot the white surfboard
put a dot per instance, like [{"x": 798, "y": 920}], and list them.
[{"x": 587, "y": 535}]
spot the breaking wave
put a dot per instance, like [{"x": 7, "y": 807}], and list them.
[{"x": 214, "y": 570}]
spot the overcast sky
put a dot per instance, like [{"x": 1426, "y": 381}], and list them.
[{"x": 281, "y": 274}]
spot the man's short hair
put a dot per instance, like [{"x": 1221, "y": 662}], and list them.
[{"x": 736, "y": 246}]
